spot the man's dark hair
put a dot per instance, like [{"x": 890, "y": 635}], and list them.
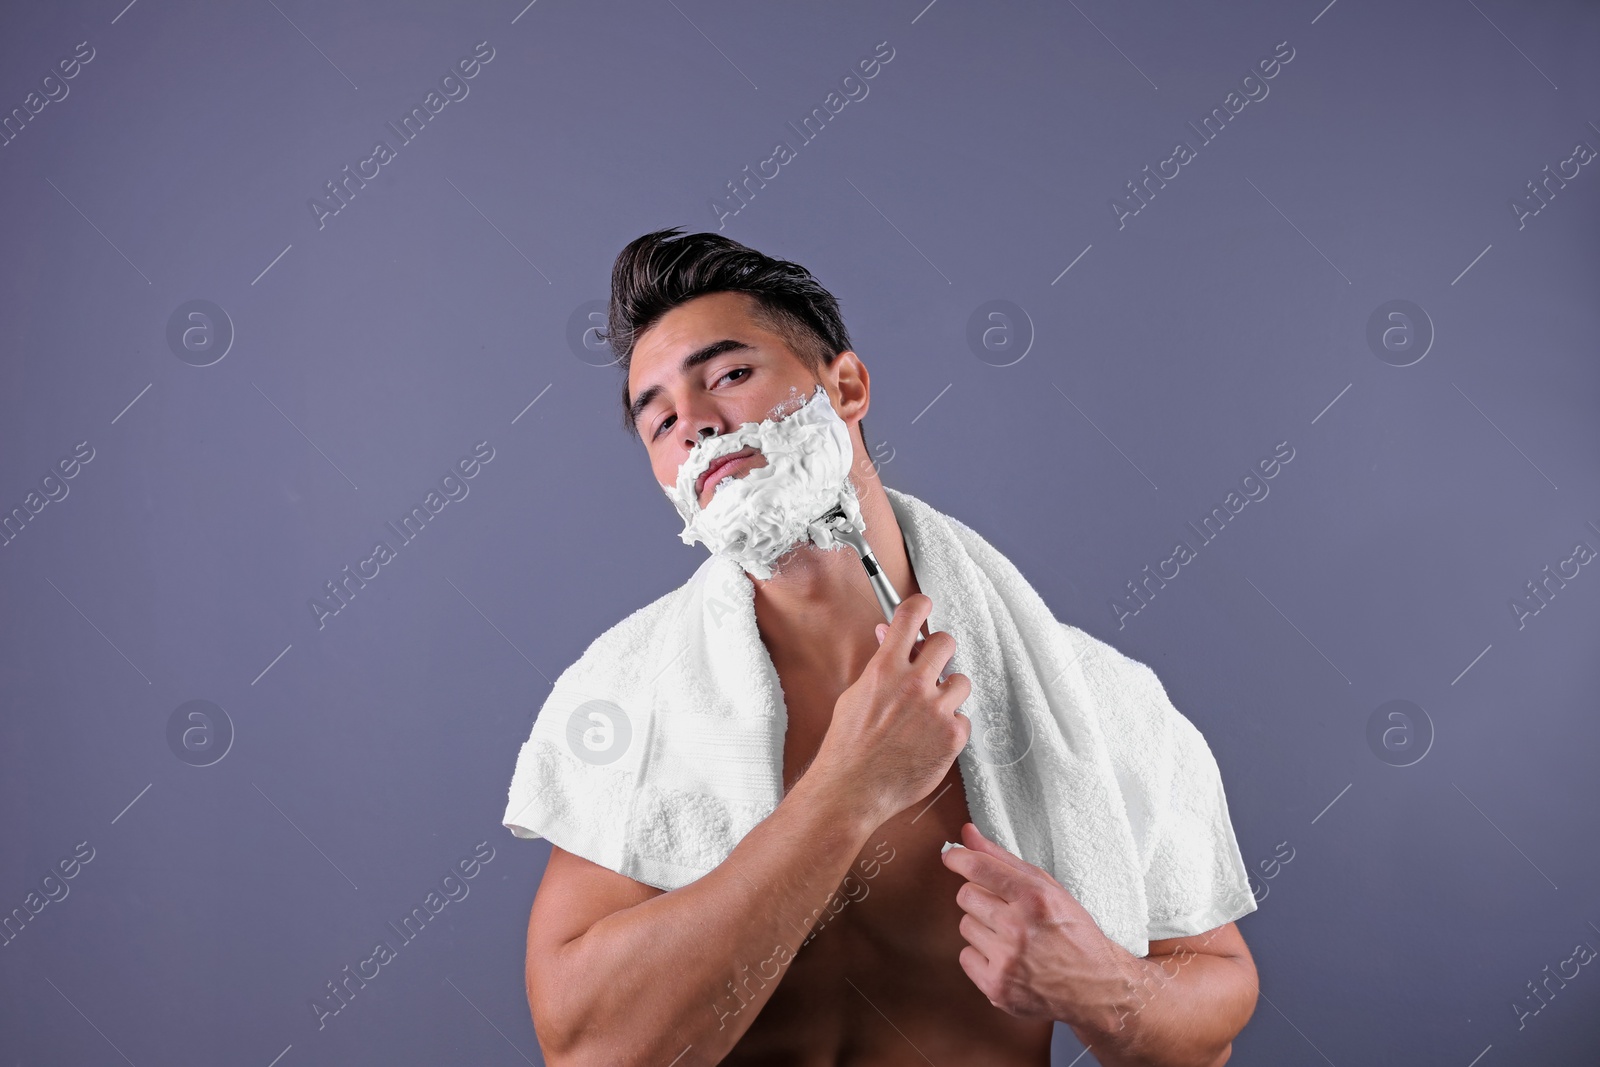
[{"x": 657, "y": 272}]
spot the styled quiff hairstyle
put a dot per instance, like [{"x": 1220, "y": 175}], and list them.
[{"x": 657, "y": 272}]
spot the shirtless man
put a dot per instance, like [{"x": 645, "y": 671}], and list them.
[{"x": 958, "y": 958}]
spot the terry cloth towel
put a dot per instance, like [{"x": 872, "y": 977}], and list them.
[{"x": 662, "y": 746}]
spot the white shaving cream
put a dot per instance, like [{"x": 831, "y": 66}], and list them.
[{"x": 759, "y": 517}]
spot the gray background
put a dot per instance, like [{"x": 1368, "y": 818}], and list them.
[{"x": 366, "y": 757}]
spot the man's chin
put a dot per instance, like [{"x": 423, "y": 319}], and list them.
[
  {"x": 799, "y": 557},
  {"x": 710, "y": 495},
  {"x": 722, "y": 483}
]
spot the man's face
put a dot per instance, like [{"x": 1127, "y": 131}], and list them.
[{"x": 738, "y": 371}]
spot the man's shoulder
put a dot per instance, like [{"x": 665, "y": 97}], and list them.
[
  {"x": 1104, "y": 662},
  {"x": 1136, "y": 715},
  {"x": 619, "y": 647}
]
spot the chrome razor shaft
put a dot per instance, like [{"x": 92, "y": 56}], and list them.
[{"x": 888, "y": 598}]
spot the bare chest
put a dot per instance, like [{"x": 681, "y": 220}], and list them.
[
  {"x": 886, "y": 944},
  {"x": 898, "y": 891}
]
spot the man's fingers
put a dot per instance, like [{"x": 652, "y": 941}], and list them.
[
  {"x": 933, "y": 653},
  {"x": 907, "y": 618},
  {"x": 975, "y": 840},
  {"x": 983, "y": 905},
  {"x": 990, "y": 871},
  {"x": 956, "y": 687},
  {"x": 963, "y": 727},
  {"x": 981, "y": 936},
  {"x": 976, "y": 964}
]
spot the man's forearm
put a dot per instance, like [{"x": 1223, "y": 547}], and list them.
[
  {"x": 1179, "y": 1010},
  {"x": 693, "y": 967}
]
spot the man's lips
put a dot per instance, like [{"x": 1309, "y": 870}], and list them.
[{"x": 713, "y": 473}]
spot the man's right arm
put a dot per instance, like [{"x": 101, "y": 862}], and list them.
[{"x": 621, "y": 972}]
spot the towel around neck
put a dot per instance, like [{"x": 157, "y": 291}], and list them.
[{"x": 662, "y": 745}]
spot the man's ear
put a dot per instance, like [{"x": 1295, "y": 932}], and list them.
[{"x": 854, "y": 385}]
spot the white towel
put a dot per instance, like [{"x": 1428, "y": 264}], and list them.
[{"x": 662, "y": 746}]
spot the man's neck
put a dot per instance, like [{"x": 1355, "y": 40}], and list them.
[{"x": 814, "y": 612}]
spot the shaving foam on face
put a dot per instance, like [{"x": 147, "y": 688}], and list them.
[{"x": 758, "y": 517}]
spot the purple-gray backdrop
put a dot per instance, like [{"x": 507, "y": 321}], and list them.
[{"x": 240, "y": 340}]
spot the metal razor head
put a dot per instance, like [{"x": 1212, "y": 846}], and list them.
[
  {"x": 835, "y": 526},
  {"x": 846, "y": 531}
]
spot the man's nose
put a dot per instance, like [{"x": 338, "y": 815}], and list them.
[
  {"x": 705, "y": 433},
  {"x": 700, "y": 424}
]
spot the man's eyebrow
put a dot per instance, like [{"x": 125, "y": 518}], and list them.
[{"x": 690, "y": 362}]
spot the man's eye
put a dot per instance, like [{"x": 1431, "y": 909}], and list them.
[{"x": 669, "y": 419}]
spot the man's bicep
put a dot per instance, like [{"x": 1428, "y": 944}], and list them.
[
  {"x": 573, "y": 895},
  {"x": 1224, "y": 940}
]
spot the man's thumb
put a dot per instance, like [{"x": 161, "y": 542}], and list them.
[{"x": 880, "y": 630}]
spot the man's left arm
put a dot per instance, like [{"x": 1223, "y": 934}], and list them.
[{"x": 1034, "y": 951}]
